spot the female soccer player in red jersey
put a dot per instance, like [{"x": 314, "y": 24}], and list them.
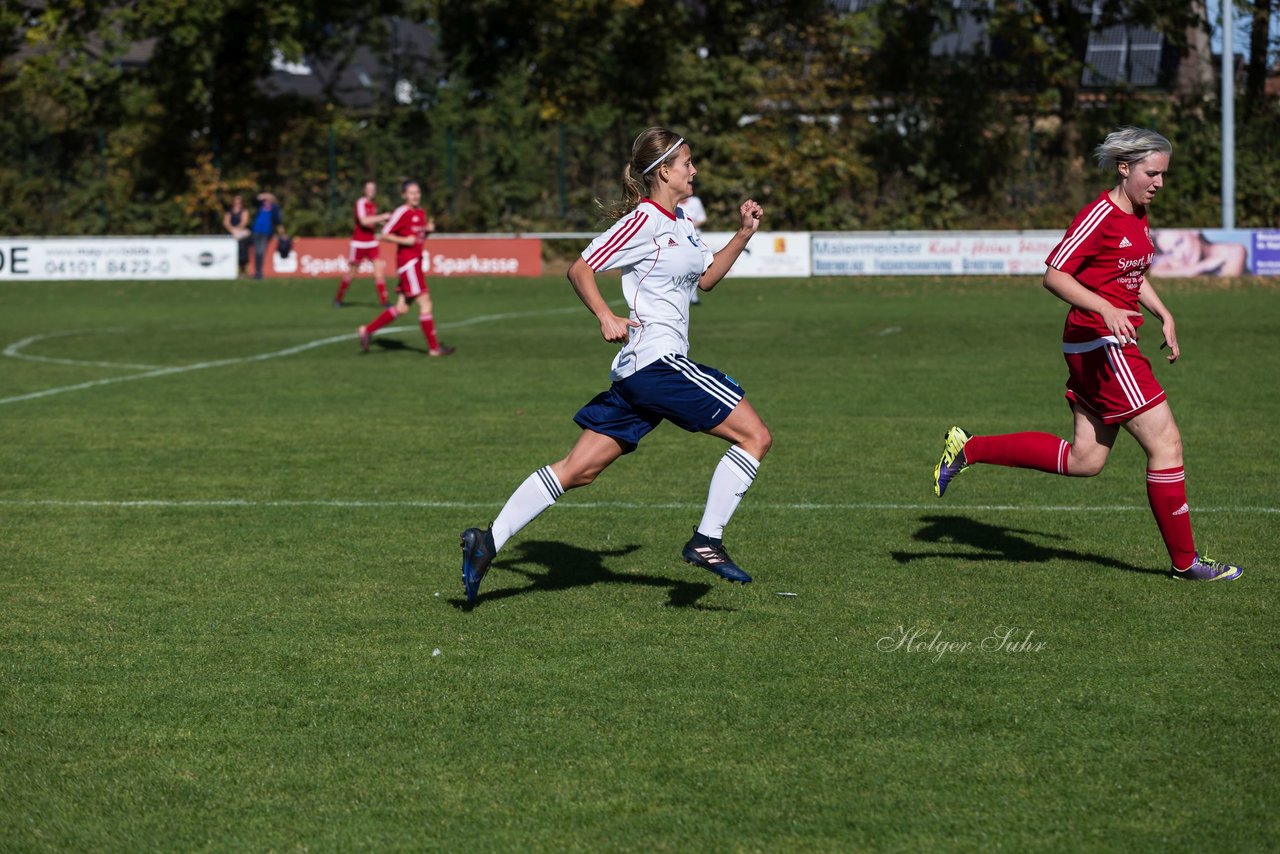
[
  {"x": 364, "y": 244},
  {"x": 407, "y": 229},
  {"x": 1098, "y": 269}
]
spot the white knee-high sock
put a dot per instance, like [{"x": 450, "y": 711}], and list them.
[
  {"x": 734, "y": 473},
  {"x": 538, "y": 492}
]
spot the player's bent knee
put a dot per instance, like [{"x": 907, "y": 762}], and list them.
[
  {"x": 571, "y": 477},
  {"x": 1087, "y": 468},
  {"x": 581, "y": 478},
  {"x": 764, "y": 441}
]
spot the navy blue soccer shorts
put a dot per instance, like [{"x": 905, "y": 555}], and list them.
[{"x": 694, "y": 397}]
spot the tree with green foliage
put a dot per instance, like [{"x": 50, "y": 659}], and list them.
[{"x": 145, "y": 117}]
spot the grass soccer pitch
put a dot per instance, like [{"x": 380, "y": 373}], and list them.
[{"x": 231, "y": 616}]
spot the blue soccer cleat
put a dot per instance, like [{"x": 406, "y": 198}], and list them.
[
  {"x": 1208, "y": 569},
  {"x": 477, "y": 553},
  {"x": 709, "y": 554}
]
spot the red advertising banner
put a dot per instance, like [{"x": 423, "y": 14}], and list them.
[{"x": 316, "y": 257}]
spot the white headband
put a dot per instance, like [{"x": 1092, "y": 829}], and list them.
[{"x": 664, "y": 156}]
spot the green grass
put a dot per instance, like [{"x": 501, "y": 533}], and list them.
[{"x": 222, "y": 589}]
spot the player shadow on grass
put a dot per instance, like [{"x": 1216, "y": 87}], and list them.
[
  {"x": 997, "y": 543},
  {"x": 569, "y": 566},
  {"x": 385, "y": 343}
]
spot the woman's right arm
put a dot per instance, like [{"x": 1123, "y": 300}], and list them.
[
  {"x": 1067, "y": 288},
  {"x": 612, "y": 328}
]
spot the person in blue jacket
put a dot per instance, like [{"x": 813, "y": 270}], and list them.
[{"x": 266, "y": 225}]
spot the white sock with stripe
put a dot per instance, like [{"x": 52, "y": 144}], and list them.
[
  {"x": 734, "y": 473},
  {"x": 538, "y": 492}
]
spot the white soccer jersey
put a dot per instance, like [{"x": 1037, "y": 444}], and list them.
[{"x": 661, "y": 258}]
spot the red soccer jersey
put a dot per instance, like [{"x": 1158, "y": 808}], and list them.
[
  {"x": 1107, "y": 251},
  {"x": 361, "y": 236},
  {"x": 407, "y": 222}
]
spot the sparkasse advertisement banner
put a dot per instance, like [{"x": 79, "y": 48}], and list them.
[
  {"x": 315, "y": 257},
  {"x": 116, "y": 258}
]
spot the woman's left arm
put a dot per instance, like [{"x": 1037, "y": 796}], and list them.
[
  {"x": 1150, "y": 300},
  {"x": 750, "y": 213}
]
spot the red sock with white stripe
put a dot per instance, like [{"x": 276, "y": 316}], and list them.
[
  {"x": 383, "y": 319},
  {"x": 382, "y": 290},
  {"x": 1167, "y": 495},
  {"x": 428, "y": 324},
  {"x": 342, "y": 288},
  {"x": 1040, "y": 451}
]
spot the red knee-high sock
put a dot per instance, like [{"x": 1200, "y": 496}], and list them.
[
  {"x": 428, "y": 324},
  {"x": 1167, "y": 495},
  {"x": 1041, "y": 451},
  {"x": 342, "y": 288},
  {"x": 383, "y": 319},
  {"x": 382, "y": 290}
]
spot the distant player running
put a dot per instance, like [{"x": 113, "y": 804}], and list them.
[
  {"x": 662, "y": 262},
  {"x": 1098, "y": 270},
  {"x": 365, "y": 245},
  {"x": 407, "y": 228}
]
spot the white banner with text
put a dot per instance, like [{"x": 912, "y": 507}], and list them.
[
  {"x": 770, "y": 253},
  {"x": 991, "y": 253},
  {"x": 116, "y": 258}
]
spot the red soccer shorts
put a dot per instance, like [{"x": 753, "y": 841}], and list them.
[
  {"x": 412, "y": 281},
  {"x": 362, "y": 253},
  {"x": 1113, "y": 382}
]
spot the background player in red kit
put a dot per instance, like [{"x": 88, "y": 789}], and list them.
[
  {"x": 1098, "y": 269},
  {"x": 407, "y": 228},
  {"x": 365, "y": 245}
]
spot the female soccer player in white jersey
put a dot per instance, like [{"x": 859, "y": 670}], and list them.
[
  {"x": 1098, "y": 269},
  {"x": 662, "y": 262}
]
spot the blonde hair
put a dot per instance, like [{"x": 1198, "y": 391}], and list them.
[
  {"x": 652, "y": 148},
  {"x": 1130, "y": 145}
]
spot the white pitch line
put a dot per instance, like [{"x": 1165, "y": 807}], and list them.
[
  {"x": 151, "y": 372},
  {"x": 590, "y": 505},
  {"x": 14, "y": 351}
]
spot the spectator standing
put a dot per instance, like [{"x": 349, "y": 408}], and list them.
[
  {"x": 266, "y": 225},
  {"x": 236, "y": 221}
]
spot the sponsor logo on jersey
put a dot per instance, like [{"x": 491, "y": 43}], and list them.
[
  {"x": 1124, "y": 243},
  {"x": 671, "y": 241},
  {"x": 1131, "y": 263}
]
